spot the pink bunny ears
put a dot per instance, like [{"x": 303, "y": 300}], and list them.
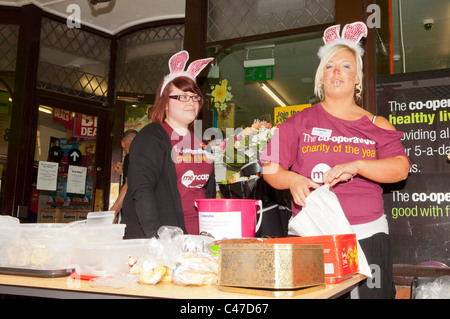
[
  {"x": 351, "y": 35},
  {"x": 177, "y": 63}
]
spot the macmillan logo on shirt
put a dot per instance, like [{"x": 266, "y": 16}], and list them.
[{"x": 189, "y": 177}]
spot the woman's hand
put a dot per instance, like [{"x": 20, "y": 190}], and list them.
[
  {"x": 300, "y": 188},
  {"x": 279, "y": 178},
  {"x": 340, "y": 173}
]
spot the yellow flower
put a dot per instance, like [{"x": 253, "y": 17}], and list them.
[
  {"x": 228, "y": 96},
  {"x": 219, "y": 93}
]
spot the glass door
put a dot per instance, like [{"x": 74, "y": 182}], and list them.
[{"x": 64, "y": 166}]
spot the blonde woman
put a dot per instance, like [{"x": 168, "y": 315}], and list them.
[{"x": 339, "y": 143}]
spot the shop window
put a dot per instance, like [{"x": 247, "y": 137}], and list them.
[
  {"x": 414, "y": 36},
  {"x": 64, "y": 164},
  {"x": 73, "y": 61},
  {"x": 232, "y": 19},
  {"x": 292, "y": 63},
  {"x": 143, "y": 55}
]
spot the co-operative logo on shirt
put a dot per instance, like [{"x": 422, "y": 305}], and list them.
[
  {"x": 318, "y": 171},
  {"x": 189, "y": 177}
]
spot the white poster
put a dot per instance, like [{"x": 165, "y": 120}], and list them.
[
  {"x": 76, "y": 180},
  {"x": 47, "y": 176},
  {"x": 221, "y": 225}
]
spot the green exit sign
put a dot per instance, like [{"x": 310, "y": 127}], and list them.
[{"x": 259, "y": 73}]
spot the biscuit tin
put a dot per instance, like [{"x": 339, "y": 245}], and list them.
[
  {"x": 271, "y": 266},
  {"x": 340, "y": 253}
]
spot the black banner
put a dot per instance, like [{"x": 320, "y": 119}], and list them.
[{"x": 418, "y": 210}]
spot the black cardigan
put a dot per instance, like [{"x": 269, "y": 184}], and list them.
[{"x": 152, "y": 199}]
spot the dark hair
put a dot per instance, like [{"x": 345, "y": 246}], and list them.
[{"x": 183, "y": 83}]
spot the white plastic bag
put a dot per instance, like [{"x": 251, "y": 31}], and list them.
[
  {"x": 436, "y": 289},
  {"x": 323, "y": 215}
]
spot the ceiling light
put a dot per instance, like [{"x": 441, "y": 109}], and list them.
[
  {"x": 259, "y": 62},
  {"x": 45, "y": 110},
  {"x": 272, "y": 94}
]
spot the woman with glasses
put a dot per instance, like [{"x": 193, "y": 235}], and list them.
[{"x": 168, "y": 167}]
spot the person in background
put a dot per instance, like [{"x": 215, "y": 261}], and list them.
[
  {"x": 168, "y": 168},
  {"x": 122, "y": 169},
  {"x": 339, "y": 143}
]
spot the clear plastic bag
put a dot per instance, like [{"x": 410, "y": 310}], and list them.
[
  {"x": 196, "y": 269},
  {"x": 184, "y": 259},
  {"x": 436, "y": 289}
]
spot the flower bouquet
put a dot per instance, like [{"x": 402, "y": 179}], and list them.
[
  {"x": 242, "y": 150},
  {"x": 246, "y": 145}
]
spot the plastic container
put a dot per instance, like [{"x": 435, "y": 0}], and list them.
[
  {"x": 229, "y": 218},
  {"x": 95, "y": 259},
  {"x": 100, "y": 218},
  {"x": 48, "y": 246},
  {"x": 97, "y": 233}
]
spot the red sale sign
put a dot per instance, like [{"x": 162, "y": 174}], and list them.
[
  {"x": 62, "y": 116},
  {"x": 85, "y": 126}
]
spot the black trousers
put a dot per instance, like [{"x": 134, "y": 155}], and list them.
[{"x": 379, "y": 256}]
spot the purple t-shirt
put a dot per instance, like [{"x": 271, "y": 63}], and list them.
[
  {"x": 193, "y": 169},
  {"x": 313, "y": 141}
]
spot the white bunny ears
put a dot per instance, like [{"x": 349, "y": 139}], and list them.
[
  {"x": 177, "y": 63},
  {"x": 351, "y": 35}
]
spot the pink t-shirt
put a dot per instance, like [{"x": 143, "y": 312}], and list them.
[
  {"x": 313, "y": 141},
  {"x": 193, "y": 169}
]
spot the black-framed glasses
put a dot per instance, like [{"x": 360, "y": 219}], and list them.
[{"x": 186, "y": 98}]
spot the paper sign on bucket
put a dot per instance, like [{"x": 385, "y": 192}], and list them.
[{"x": 229, "y": 218}]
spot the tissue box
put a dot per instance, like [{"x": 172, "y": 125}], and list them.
[
  {"x": 339, "y": 251},
  {"x": 271, "y": 266}
]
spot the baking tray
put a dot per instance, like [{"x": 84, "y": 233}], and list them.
[{"x": 35, "y": 272}]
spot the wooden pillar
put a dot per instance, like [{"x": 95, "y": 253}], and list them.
[
  {"x": 19, "y": 172},
  {"x": 195, "y": 35}
]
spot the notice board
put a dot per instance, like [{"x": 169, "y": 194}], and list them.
[{"x": 418, "y": 209}]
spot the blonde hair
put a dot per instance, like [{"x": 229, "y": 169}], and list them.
[{"x": 318, "y": 85}]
